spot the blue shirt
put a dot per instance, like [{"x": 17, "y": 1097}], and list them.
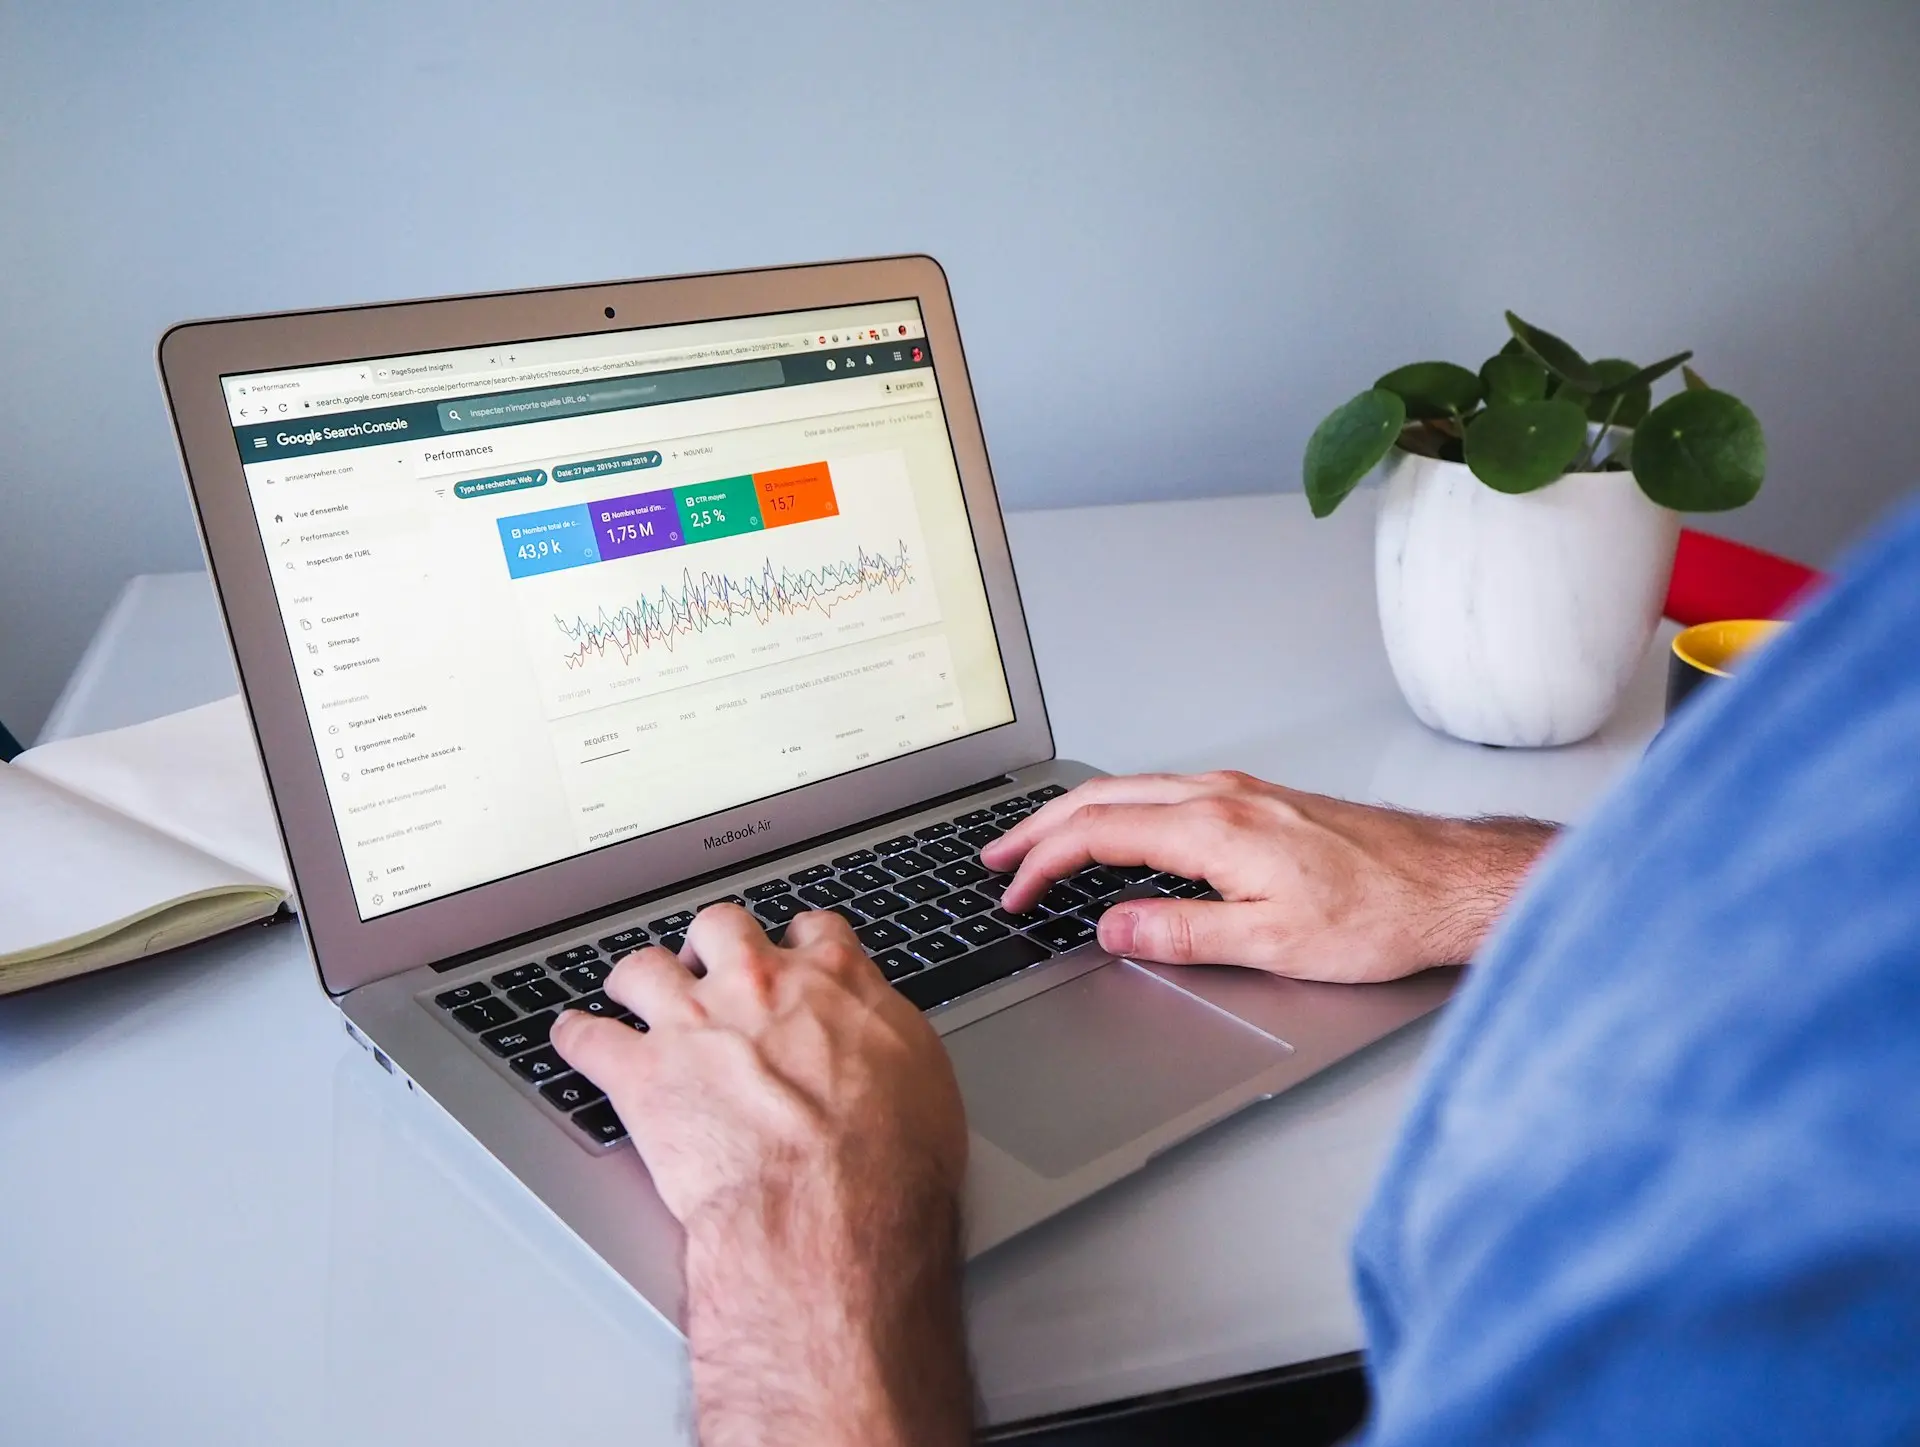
[{"x": 1661, "y": 1182}]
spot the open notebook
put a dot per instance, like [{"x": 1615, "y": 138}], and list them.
[{"x": 130, "y": 842}]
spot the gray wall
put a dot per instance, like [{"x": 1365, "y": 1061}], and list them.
[{"x": 1177, "y": 234}]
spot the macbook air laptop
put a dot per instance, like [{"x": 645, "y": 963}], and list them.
[{"x": 563, "y": 614}]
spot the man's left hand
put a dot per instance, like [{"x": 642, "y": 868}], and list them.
[{"x": 801, "y": 1120}]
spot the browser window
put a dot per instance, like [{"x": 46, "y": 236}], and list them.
[{"x": 550, "y": 596}]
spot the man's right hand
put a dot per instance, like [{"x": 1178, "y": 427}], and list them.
[{"x": 1311, "y": 887}]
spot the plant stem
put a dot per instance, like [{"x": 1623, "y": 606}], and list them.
[{"x": 1585, "y": 460}]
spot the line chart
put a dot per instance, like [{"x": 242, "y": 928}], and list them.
[{"x": 705, "y": 601}]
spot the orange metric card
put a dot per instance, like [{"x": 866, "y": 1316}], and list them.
[{"x": 795, "y": 494}]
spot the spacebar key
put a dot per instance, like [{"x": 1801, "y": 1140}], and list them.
[{"x": 982, "y": 967}]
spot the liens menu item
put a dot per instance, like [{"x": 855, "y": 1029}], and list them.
[{"x": 134, "y": 841}]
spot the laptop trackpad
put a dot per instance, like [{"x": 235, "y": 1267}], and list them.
[{"x": 1061, "y": 1079}]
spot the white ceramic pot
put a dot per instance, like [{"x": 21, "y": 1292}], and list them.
[{"x": 1517, "y": 620}]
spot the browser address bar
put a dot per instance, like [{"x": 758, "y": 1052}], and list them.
[{"x": 563, "y": 371}]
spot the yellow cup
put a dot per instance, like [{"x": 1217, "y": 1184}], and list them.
[{"x": 1709, "y": 651}]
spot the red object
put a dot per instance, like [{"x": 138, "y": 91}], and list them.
[{"x": 1716, "y": 578}]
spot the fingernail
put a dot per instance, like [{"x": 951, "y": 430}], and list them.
[
  {"x": 1117, "y": 928},
  {"x": 562, "y": 1025}
]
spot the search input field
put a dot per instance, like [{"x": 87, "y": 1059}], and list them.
[{"x": 581, "y": 399}]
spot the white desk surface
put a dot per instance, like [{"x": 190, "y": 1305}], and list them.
[{"x": 220, "y": 1222}]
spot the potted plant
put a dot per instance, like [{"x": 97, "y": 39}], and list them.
[{"x": 1526, "y": 540}]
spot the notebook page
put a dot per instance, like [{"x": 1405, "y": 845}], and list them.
[
  {"x": 71, "y": 870},
  {"x": 192, "y": 774}
]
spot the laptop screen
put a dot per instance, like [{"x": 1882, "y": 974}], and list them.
[{"x": 549, "y": 596}]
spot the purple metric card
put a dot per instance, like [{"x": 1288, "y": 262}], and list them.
[{"x": 642, "y": 523}]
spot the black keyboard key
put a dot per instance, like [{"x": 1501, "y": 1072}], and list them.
[
  {"x": 723, "y": 899},
  {"x": 521, "y": 1035},
  {"x": 935, "y": 949},
  {"x": 776, "y": 932},
  {"x": 865, "y": 877},
  {"x": 851, "y": 915},
  {"x": 923, "y": 919},
  {"x": 882, "y": 934},
  {"x": 462, "y": 995},
  {"x": 877, "y": 903},
  {"x": 675, "y": 943},
  {"x": 1098, "y": 882},
  {"x": 585, "y": 979},
  {"x": 895, "y": 963},
  {"x": 519, "y": 975},
  {"x": 572, "y": 1092},
  {"x": 961, "y": 873},
  {"x": 1018, "y": 921},
  {"x": 671, "y": 924},
  {"x": 813, "y": 874},
  {"x": 979, "y": 931},
  {"x": 934, "y": 831},
  {"x": 896, "y": 845},
  {"x": 1011, "y": 806},
  {"x": 1063, "y": 899},
  {"x": 980, "y": 836},
  {"x": 963, "y": 902},
  {"x": 920, "y": 889},
  {"x": 483, "y": 1014},
  {"x": 1046, "y": 792},
  {"x": 780, "y": 908},
  {"x": 855, "y": 859},
  {"x": 542, "y": 1064},
  {"x": 625, "y": 940},
  {"x": 826, "y": 892},
  {"x": 767, "y": 889},
  {"x": 909, "y": 862},
  {"x": 578, "y": 955},
  {"x": 946, "y": 851},
  {"x": 1063, "y": 932},
  {"x": 977, "y": 816},
  {"x": 538, "y": 995},
  {"x": 601, "y": 1123},
  {"x": 600, "y": 1005},
  {"x": 1190, "y": 889},
  {"x": 982, "y": 967},
  {"x": 1132, "y": 873}
]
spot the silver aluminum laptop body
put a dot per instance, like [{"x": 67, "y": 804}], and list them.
[{"x": 351, "y": 471}]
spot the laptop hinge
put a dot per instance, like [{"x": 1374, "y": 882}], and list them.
[{"x": 562, "y": 926}]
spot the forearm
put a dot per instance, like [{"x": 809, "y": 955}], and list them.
[
  {"x": 831, "y": 1317},
  {"x": 1472, "y": 873}
]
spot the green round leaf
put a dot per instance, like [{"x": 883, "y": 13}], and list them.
[
  {"x": 1700, "y": 451},
  {"x": 1553, "y": 354},
  {"x": 1616, "y": 380},
  {"x": 1513, "y": 379},
  {"x": 1349, "y": 445},
  {"x": 1433, "y": 389},
  {"x": 1525, "y": 445}
]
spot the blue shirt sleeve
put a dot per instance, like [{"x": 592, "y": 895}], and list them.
[{"x": 1661, "y": 1181}]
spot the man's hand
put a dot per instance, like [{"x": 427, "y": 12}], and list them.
[
  {"x": 1311, "y": 887},
  {"x": 802, "y": 1122}
]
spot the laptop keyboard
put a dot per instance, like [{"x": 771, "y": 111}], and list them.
[{"x": 921, "y": 903}]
